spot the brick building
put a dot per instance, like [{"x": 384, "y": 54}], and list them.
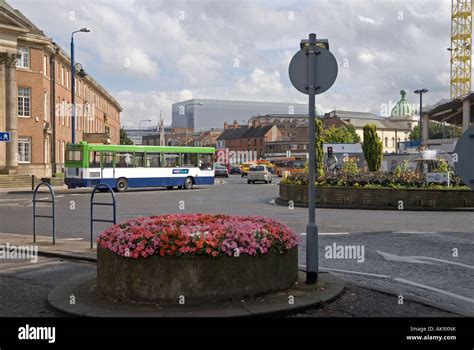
[
  {"x": 248, "y": 138},
  {"x": 35, "y": 95}
]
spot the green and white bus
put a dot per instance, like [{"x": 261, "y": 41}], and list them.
[{"x": 124, "y": 166}]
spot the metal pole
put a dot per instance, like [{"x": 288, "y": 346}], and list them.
[
  {"x": 73, "y": 93},
  {"x": 185, "y": 125},
  {"x": 312, "y": 229},
  {"x": 421, "y": 118}
]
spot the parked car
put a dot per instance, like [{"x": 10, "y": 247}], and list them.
[
  {"x": 234, "y": 169},
  {"x": 259, "y": 173},
  {"x": 220, "y": 170}
]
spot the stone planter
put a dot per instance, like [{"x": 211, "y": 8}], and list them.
[
  {"x": 166, "y": 280},
  {"x": 379, "y": 198}
]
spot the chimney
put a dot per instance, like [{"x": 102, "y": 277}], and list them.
[
  {"x": 226, "y": 125},
  {"x": 235, "y": 125}
]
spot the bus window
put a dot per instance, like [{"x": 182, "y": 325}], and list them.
[
  {"x": 153, "y": 160},
  {"x": 74, "y": 156},
  {"x": 94, "y": 159},
  {"x": 189, "y": 160},
  {"x": 123, "y": 160},
  {"x": 138, "y": 157},
  {"x": 205, "y": 161},
  {"x": 108, "y": 159},
  {"x": 170, "y": 160}
]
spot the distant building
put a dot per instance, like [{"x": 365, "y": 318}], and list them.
[
  {"x": 247, "y": 138},
  {"x": 137, "y": 134},
  {"x": 212, "y": 113},
  {"x": 391, "y": 130}
]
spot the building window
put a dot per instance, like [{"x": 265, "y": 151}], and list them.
[
  {"x": 45, "y": 106},
  {"x": 386, "y": 142},
  {"x": 63, "y": 148},
  {"x": 62, "y": 75},
  {"x": 45, "y": 65},
  {"x": 24, "y": 60},
  {"x": 24, "y": 102},
  {"x": 24, "y": 150}
]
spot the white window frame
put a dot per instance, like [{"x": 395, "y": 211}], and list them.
[
  {"x": 25, "y": 100},
  {"x": 45, "y": 65},
  {"x": 24, "y": 157},
  {"x": 46, "y": 106},
  {"x": 24, "y": 60}
]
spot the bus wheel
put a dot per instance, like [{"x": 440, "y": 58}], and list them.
[
  {"x": 122, "y": 185},
  {"x": 188, "y": 183}
]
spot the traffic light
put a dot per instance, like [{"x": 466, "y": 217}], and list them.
[{"x": 330, "y": 152}]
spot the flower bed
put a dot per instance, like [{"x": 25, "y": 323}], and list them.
[
  {"x": 197, "y": 234},
  {"x": 201, "y": 257}
]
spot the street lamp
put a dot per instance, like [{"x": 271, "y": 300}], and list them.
[
  {"x": 186, "y": 119},
  {"x": 143, "y": 120},
  {"x": 73, "y": 84},
  {"x": 421, "y": 92}
]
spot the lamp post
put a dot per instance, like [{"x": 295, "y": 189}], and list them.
[
  {"x": 73, "y": 84},
  {"x": 186, "y": 119},
  {"x": 143, "y": 120},
  {"x": 421, "y": 92}
]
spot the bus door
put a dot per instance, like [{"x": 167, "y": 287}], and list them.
[{"x": 107, "y": 169}]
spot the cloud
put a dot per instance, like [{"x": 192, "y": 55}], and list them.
[
  {"x": 366, "y": 20},
  {"x": 173, "y": 57}
]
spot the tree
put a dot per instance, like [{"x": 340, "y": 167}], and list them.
[
  {"x": 372, "y": 147},
  {"x": 319, "y": 147},
  {"x": 343, "y": 134},
  {"x": 124, "y": 139}
]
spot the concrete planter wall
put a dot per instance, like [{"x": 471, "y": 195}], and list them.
[
  {"x": 157, "y": 279},
  {"x": 378, "y": 198}
]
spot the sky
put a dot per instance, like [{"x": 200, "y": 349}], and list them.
[{"x": 150, "y": 54}]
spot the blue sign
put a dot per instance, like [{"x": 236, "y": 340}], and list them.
[
  {"x": 180, "y": 171},
  {"x": 4, "y": 136}
]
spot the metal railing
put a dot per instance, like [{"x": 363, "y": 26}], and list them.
[
  {"x": 113, "y": 204},
  {"x": 53, "y": 216}
]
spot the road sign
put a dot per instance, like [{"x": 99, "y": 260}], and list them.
[
  {"x": 325, "y": 70},
  {"x": 438, "y": 178},
  {"x": 4, "y": 136},
  {"x": 464, "y": 163}
]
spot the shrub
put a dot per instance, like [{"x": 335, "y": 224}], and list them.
[
  {"x": 197, "y": 234},
  {"x": 372, "y": 147}
]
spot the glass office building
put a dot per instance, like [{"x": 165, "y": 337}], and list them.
[{"x": 213, "y": 113}]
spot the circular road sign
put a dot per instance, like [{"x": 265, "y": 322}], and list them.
[
  {"x": 326, "y": 70},
  {"x": 464, "y": 164}
]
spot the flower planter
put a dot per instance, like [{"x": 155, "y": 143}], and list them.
[
  {"x": 195, "y": 258},
  {"x": 167, "y": 279}
]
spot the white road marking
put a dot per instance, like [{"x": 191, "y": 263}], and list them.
[
  {"x": 419, "y": 285},
  {"x": 414, "y": 232},
  {"x": 72, "y": 239},
  {"x": 409, "y": 259},
  {"x": 60, "y": 196},
  {"x": 30, "y": 266},
  {"x": 329, "y": 233},
  {"x": 355, "y": 272},
  {"x": 272, "y": 201},
  {"x": 443, "y": 261}
]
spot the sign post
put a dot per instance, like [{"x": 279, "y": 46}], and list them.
[{"x": 312, "y": 71}]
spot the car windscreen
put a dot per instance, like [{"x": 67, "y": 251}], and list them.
[{"x": 257, "y": 168}]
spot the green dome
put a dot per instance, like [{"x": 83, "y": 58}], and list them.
[{"x": 403, "y": 109}]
